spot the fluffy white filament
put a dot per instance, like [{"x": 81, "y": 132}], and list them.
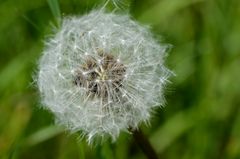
[{"x": 121, "y": 107}]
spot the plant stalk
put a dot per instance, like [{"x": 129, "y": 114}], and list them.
[{"x": 142, "y": 141}]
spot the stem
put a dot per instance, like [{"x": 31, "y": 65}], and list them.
[{"x": 142, "y": 141}]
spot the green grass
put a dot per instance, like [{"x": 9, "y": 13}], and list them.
[{"x": 202, "y": 116}]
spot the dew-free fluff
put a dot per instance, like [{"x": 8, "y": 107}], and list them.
[{"x": 102, "y": 73}]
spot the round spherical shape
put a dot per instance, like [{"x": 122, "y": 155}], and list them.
[{"x": 102, "y": 73}]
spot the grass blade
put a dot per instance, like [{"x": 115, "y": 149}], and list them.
[{"x": 55, "y": 9}]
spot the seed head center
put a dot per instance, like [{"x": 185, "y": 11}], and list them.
[
  {"x": 102, "y": 74},
  {"x": 100, "y": 77}
]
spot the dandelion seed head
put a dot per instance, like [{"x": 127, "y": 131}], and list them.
[{"x": 102, "y": 73}]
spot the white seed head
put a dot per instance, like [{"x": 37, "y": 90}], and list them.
[{"x": 102, "y": 73}]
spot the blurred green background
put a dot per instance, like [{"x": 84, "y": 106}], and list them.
[{"x": 202, "y": 116}]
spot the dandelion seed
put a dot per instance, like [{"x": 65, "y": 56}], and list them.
[{"x": 110, "y": 74}]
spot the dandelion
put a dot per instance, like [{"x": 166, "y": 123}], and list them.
[{"x": 102, "y": 73}]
